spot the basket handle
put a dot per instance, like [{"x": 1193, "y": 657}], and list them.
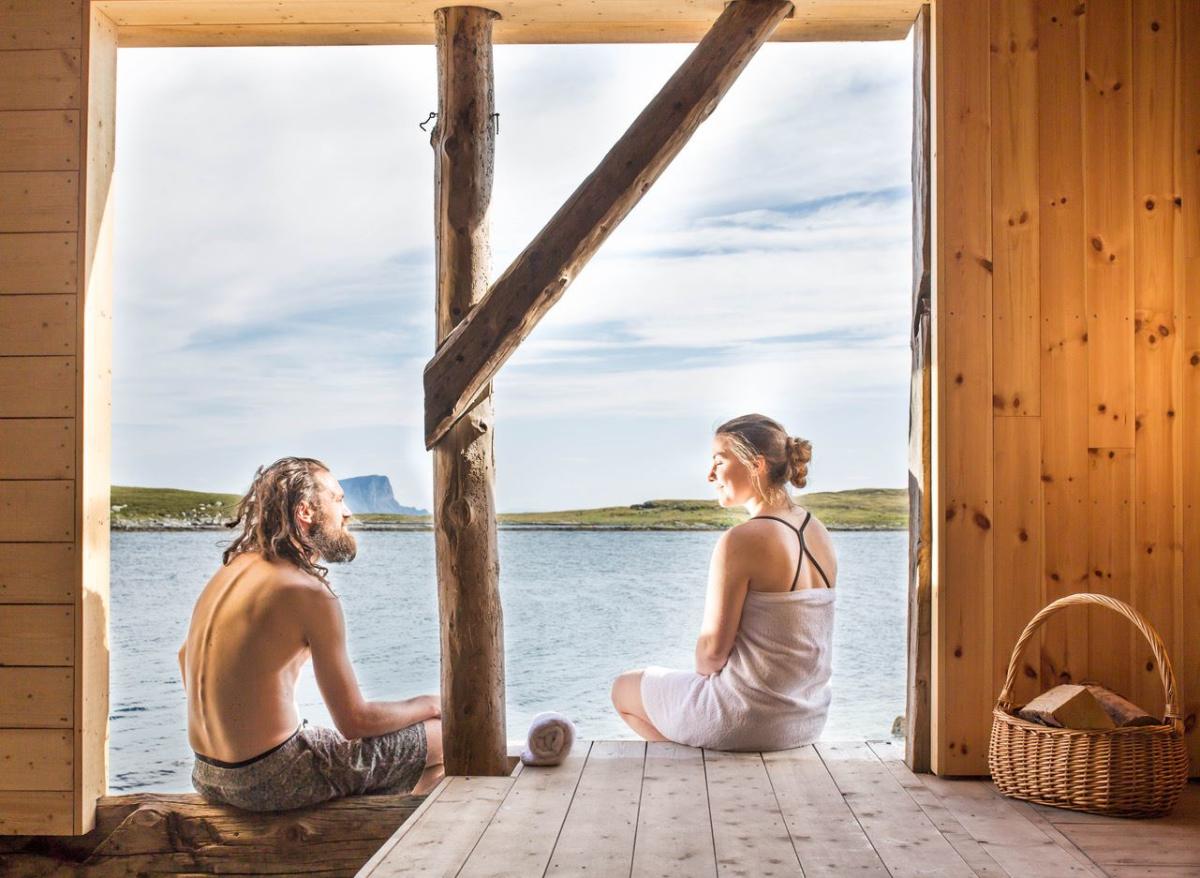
[{"x": 1165, "y": 672}]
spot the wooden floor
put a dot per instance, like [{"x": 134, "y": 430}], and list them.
[{"x": 624, "y": 808}]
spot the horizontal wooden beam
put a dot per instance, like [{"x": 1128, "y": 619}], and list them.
[
  {"x": 397, "y": 22},
  {"x": 158, "y": 833},
  {"x": 487, "y": 337}
]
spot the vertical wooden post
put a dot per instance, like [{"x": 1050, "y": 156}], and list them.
[
  {"x": 472, "y": 626},
  {"x": 920, "y": 451}
]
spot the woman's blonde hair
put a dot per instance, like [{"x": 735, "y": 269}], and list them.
[{"x": 786, "y": 457}]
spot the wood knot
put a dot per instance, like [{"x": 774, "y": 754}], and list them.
[
  {"x": 1023, "y": 535},
  {"x": 958, "y": 652},
  {"x": 1154, "y": 26},
  {"x": 1029, "y": 671},
  {"x": 1149, "y": 204},
  {"x": 982, "y": 521},
  {"x": 1097, "y": 243}
]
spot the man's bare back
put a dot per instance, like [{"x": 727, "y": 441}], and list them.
[
  {"x": 244, "y": 650},
  {"x": 261, "y": 616}
]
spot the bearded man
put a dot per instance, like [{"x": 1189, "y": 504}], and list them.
[{"x": 266, "y": 612}]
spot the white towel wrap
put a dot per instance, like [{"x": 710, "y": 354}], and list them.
[{"x": 550, "y": 738}]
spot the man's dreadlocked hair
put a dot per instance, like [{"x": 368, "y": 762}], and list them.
[{"x": 267, "y": 514}]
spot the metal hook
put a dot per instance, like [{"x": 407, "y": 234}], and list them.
[
  {"x": 496, "y": 120},
  {"x": 421, "y": 125}
]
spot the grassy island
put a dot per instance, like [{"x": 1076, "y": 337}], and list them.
[{"x": 860, "y": 509}]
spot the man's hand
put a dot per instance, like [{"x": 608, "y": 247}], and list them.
[{"x": 432, "y": 704}]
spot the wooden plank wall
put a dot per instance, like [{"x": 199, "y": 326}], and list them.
[
  {"x": 53, "y": 328},
  {"x": 1067, "y": 292}
]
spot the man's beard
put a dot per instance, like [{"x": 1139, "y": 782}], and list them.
[{"x": 335, "y": 544}]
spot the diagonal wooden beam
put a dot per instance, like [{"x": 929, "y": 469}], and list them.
[{"x": 469, "y": 356}]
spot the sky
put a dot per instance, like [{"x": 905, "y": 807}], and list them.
[{"x": 274, "y": 269}]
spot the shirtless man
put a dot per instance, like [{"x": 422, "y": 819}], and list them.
[{"x": 264, "y": 613}]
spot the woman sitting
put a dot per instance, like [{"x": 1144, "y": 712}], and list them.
[{"x": 763, "y": 657}]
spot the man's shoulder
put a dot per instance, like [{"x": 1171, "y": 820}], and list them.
[{"x": 284, "y": 576}]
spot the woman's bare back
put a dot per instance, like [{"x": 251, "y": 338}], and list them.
[{"x": 779, "y": 553}]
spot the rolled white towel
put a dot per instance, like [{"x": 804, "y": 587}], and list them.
[{"x": 550, "y": 738}]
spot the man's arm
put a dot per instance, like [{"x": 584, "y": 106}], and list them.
[
  {"x": 354, "y": 716},
  {"x": 182, "y": 666}
]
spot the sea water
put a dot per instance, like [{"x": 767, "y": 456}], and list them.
[{"x": 579, "y": 608}]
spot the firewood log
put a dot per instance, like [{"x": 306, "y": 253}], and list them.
[
  {"x": 1123, "y": 712},
  {"x": 1069, "y": 706}
]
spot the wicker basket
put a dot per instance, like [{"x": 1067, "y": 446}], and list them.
[{"x": 1136, "y": 771}]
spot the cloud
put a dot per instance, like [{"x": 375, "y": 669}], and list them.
[{"x": 275, "y": 260}]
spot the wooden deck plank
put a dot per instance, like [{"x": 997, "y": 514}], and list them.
[
  {"x": 540, "y": 798},
  {"x": 440, "y": 840},
  {"x": 907, "y": 840},
  {"x": 935, "y": 809},
  {"x": 674, "y": 833},
  {"x": 598, "y": 834},
  {"x": 833, "y": 808},
  {"x": 1137, "y": 842},
  {"x": 405, "y": 828},
  {"x": 1163, "y": 842},
  {"x": 1035, "y": 817},
  {"x": 1186, "y": 812},
  {"x": 1017, "y": 845},
  {"x": 749, "y": 834},
  {"x": 825, "y": 833}
]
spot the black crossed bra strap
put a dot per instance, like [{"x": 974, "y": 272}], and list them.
[{"x": 803, "y": 549}]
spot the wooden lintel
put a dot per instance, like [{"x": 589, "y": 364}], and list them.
[{"x": 470, "y": 356}]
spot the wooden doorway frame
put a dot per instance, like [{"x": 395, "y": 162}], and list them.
[{"x": 64, "y": 54}]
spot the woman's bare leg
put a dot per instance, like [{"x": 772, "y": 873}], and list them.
[{"x": 627, "y": 699}]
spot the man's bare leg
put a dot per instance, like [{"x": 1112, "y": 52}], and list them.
[{"x": 434, "y": 769}]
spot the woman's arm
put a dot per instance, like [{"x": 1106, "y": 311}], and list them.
[{"x": 727, "y": 585}]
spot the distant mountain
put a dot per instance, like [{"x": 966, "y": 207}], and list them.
[{"x": 374, "y": 494}]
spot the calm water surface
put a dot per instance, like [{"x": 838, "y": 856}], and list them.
[{"x": 579, "y": 608}]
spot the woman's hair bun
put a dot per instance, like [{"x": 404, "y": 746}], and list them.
[{"x": 799, "y": 453}]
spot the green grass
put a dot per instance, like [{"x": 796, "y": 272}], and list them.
[
  {"x": 861, "y": 509},
  {"x": 132, "y": 505}
]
